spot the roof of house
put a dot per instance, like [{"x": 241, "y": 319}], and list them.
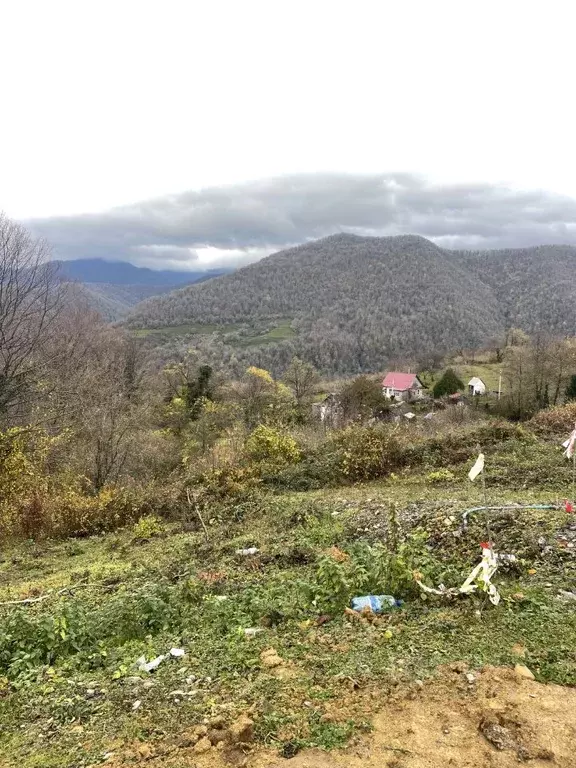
[
  {"x": 474, "y": 381},
  {"x": 400, "y": 381}
]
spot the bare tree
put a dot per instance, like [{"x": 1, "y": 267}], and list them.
[{"x": 31, "y": 299}]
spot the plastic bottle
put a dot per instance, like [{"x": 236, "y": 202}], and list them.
[{"x": 376, "y": 603}]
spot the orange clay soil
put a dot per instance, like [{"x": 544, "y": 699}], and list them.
[{"x": 497, "y": 720}]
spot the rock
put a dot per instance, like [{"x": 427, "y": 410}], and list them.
[
  {"x": 499, "y": 736},
  {"x": 523, "y": 672},
  {"x": 471, "y": 678},
  {"x": 137, "y": 704},
  {"x": 200, "y": 731},
  {"x": 242, "y": 730},
  {"x": 90, "y": 693},
  {"x": 202, "y": 746},
  {"x": 148, "y": 684}
]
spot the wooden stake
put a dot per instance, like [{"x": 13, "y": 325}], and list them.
[{"x": 195, "y": 508}]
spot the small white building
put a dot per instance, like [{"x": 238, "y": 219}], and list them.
[{"x": 476, "y": 386}]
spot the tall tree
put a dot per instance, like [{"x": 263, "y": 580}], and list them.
[
  {"x": 31, "y": 300},
  {"x": 198, "y": 390},
  {"x": 362, "y": 398},
  {"x": 302, "y": 378}
]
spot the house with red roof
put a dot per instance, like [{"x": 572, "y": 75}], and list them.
[{"x": 402, "y": 386}]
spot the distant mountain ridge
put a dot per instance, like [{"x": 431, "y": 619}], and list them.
[
  {"x": 114, "y": 287},
  {"x": 362, "y": 303},
  {"x": 125, "y": 273}
]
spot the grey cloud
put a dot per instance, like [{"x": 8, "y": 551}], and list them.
[
  {"x": 246, "y": 221},
  {"x": 166, "y": 253}
]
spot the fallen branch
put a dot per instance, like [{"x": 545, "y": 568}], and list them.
[
  {"x": 28, "y": 600},
  {"x": 52, "y": 593}
]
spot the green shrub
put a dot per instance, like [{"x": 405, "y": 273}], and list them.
[
  {"x": 272, "y": 447},
  {"x": 440, "y": 476},
  {"x": 365, "y": 453},
  {"x": 148, "y": 527},
  {"x": 458, "y": 446},
  {"x": 364, "y": 570}
]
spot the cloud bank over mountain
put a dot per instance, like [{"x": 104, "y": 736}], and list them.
[{"x": 230, "y": 226}]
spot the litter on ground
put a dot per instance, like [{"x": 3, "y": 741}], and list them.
[
  {"x": 375, "y": 603},
  {"x": 479, "y": 578}
]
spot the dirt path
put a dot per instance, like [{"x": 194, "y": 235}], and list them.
[{"x": 491, "y": 719}]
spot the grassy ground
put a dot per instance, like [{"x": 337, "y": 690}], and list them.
[
  {"x": 488, "y": 372},
  {"x": 281, "y": 332},
  {"x": 69, "y": 691},
  {"x": 189, "y": 329}
]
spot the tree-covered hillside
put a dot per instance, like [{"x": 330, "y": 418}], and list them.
[
  {"x": 535, "y": 287},
  {"x": 355, "y": 302}
]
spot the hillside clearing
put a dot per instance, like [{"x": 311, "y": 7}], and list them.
[{"x": 139, "y": 597}]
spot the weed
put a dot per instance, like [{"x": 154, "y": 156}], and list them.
[
  {"x": 440, "y": 476},
  {"x": 148, "y": 527}
]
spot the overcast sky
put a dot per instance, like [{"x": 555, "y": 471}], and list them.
[{"x": 203, "y": 132}]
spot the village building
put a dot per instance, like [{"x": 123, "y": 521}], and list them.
[
  {"x": 476, "y": 386},
  {"x": 402, "y": 386}
]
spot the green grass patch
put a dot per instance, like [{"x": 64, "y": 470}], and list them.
[
  {"x": 281, "y": 332},
  {"x": 187, "y": 329}
]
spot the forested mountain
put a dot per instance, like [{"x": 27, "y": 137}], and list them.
[
  {"x": 114, "y": 287},
  {"x": 361, "y": 303},
  {"x": 535, "y": 287}
]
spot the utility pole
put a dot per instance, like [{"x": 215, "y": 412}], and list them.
[{"x": 499, "y": 384}]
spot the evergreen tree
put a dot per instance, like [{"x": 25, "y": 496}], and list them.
[
  {"x": 198, "y": 389},
  {"x": 448, "y": 384}
]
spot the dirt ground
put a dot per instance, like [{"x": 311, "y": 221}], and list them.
[
  {"x": 494, "y": 718},
  {"x": 497, "y": 720}
]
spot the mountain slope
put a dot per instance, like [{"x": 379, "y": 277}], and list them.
[
  {"x": 356, "y": 302},
  {"x": 536, "y": 287},
  {"x": 113, "y": 288},
  {"x": 361, "y": 303}
]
